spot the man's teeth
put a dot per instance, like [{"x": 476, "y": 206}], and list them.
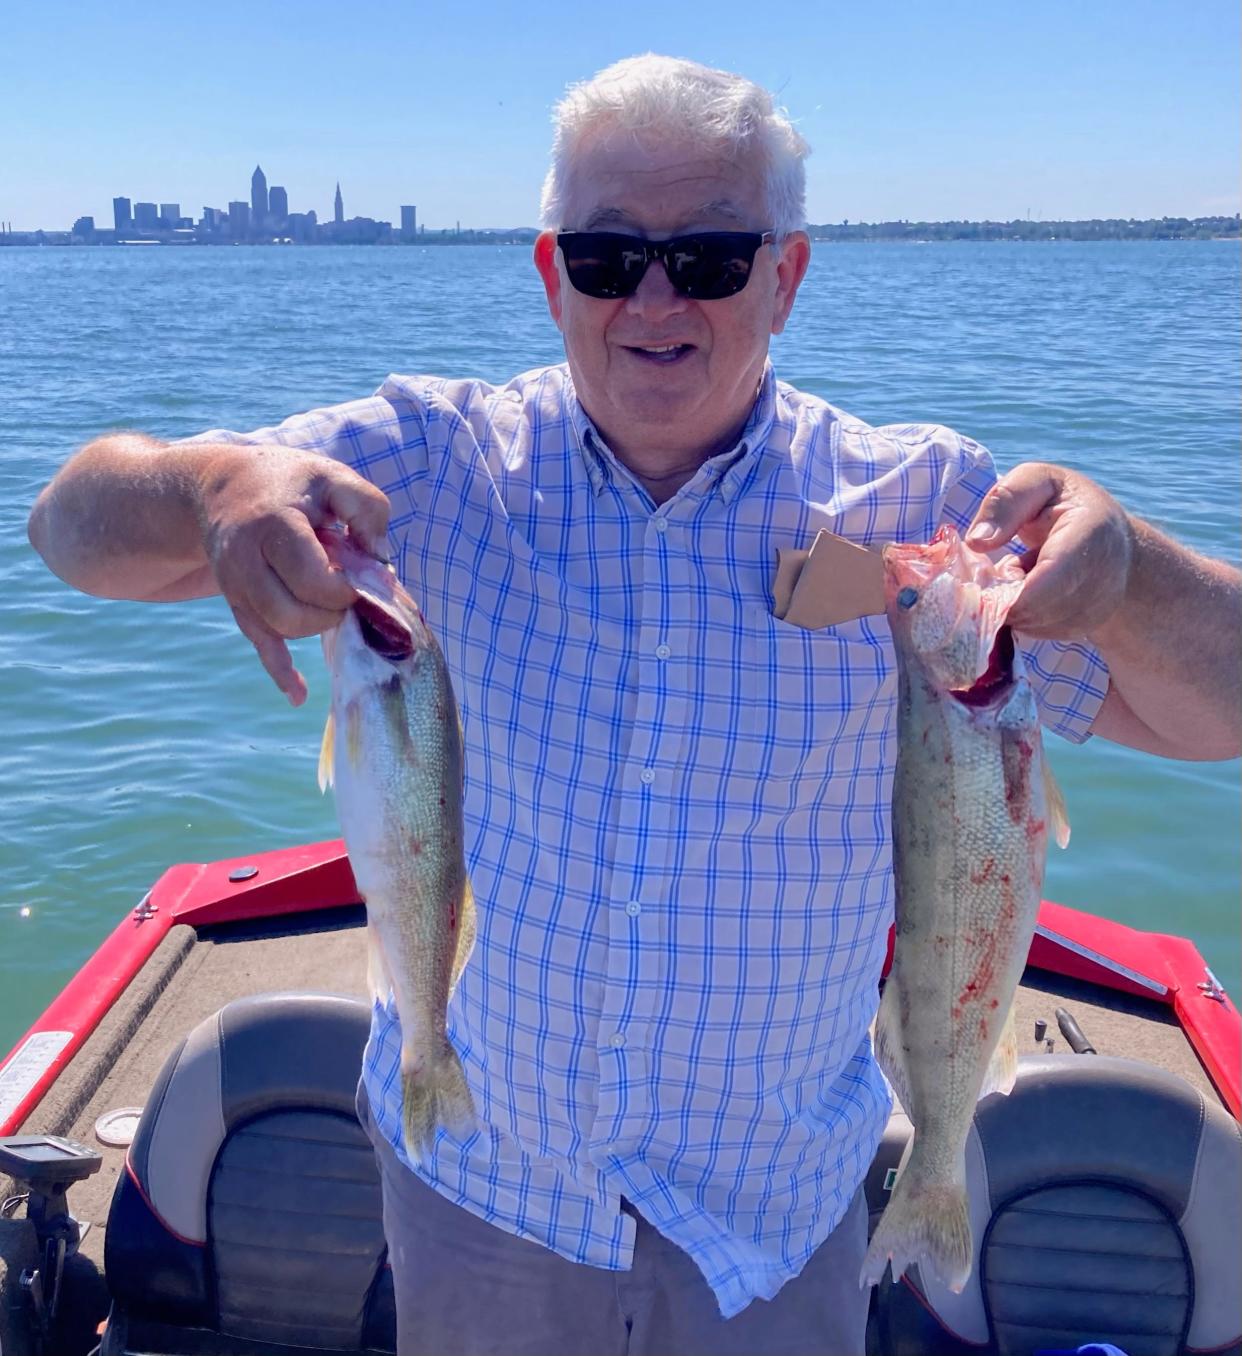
[{"x": 667, "y": 348}]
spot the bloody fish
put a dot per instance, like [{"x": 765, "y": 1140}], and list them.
[{"x": 973, "y": 803}]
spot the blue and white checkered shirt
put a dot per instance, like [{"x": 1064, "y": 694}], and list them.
[{"x": 677, "y": 809}]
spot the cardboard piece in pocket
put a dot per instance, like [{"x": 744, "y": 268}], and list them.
[{"x": 835, "y": 581}]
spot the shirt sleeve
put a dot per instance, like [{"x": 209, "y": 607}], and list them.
[
  {"x": 383, "y": 439},
  {"x": 1069, "y": 678}
]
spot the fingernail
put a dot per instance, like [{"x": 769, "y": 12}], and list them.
[{"x": 980, "y": 532}]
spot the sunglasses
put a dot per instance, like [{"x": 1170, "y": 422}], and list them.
[{"x": 705, "y": 266}]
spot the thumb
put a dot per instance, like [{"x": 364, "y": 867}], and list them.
[
  {"x": 364, "y": 510},
  {"x": 1016, "y": 500}
]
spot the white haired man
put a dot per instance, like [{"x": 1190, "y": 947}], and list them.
[{"x": 676, "y": 805}]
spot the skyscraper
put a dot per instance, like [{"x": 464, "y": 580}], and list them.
[
  {"x": 338, "y": 214},
  {"x": 409, "y": 220},
  {"x": 122, "y": 218},
  {"x": 278, "y": 202},
  {"x": 258, "y": 198},
  {"x": 239, "y": 219},
  {"x": 170, "y": 213},
  {"x": 146, "y": 216}
]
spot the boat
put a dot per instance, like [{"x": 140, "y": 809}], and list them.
[{"x": 187, "y": 1173}]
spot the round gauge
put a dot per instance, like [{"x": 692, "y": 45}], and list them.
[{"x": 117, "y": 1128}]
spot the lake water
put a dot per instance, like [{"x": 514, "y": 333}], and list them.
[{"x": 137, "y": 736}]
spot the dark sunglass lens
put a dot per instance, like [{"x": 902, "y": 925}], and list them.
[
  {"x": 602, "y": 265},
  {"x": 710, "y": 267}
]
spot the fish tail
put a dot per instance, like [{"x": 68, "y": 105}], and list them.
[
  {"x": 438, "y": 1096},
  {"x": 925, "y": 1222}
]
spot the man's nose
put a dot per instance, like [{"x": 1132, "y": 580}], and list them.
[{"x": 656, "y": 296}]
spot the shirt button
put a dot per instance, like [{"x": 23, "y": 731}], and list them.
[
  {"x": 661, "y": 524},
  {"x": 663, "y": 652},
  {"x": 616, "y": 1040},
  {"x": 633, "y": 908},
  {"x": 647, "y": 775}
]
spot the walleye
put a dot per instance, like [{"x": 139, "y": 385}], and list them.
[
  {"x": 972, "y": 802},
  {"x": 392, "y": 748}
]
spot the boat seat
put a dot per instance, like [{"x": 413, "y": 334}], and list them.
[
  {"x": 1106, "y": 1206},
  {"x": 248, "y": 1217}
]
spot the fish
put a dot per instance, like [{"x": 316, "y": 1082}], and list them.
[
  {"x": 392, "y": 751},
  {"x": 973, "y": 806}
]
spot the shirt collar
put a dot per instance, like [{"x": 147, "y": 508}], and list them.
[{"x": 725, "y": 472}]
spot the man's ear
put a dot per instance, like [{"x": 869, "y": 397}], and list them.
[
  {"x": 795, "y": 255},
  {"x": 545, "y": 262}
]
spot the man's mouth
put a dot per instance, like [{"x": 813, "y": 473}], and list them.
[{"x": 663, "y": 354}]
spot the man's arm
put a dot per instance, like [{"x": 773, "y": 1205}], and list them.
[
  {"x": 130, "y": 517},
  {"x": 1168, "y": 622}
]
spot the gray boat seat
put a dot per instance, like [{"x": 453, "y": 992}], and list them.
[
  {"x": 248, "y": 1219},
  {"x": 1106, "y": 1206}
]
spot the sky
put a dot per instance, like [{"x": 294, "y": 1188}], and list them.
[{"x": 1060, "y": 110}]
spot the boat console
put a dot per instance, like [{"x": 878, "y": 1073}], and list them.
[{"x": 47, "y": 1166}]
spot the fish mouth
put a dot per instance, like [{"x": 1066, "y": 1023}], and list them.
[
  {"x": 383, "y": 633},
  {"x": 996, "y": 679}
]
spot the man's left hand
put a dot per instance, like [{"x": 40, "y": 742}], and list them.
[{"x": 1080, "y": 546}]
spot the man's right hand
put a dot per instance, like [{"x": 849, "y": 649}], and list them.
[
  {"x": 128, "y": 517},
  {"x": 259, "y": 518}
]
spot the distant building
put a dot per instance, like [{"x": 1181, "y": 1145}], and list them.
[
  {"x": 146, "y": 216},
  {"x": 84, "y": 227},
  {"x": 170, "y": 213},
  {"x": 258, "y": 198},
  {"x": 338, "y": 208},
  {"x": 278, "y": 202},
  {"x": 239, "y": 219},
  {"x": 409, "y": 220},
  {"x": 122, "y": 217}
]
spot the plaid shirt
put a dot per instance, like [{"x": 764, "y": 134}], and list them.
[{"x": 677, "y": 809}]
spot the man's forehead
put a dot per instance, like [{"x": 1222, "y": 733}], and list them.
[{"x": 628, "y": 183}]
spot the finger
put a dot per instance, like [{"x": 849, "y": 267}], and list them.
[
  {"x": 1046, "y": 598},
  {"x": 363, "y": 509},
  {"x": 279, "y": 609},
  {"x": 273, "y": 654},
  {"x": 1016, "y": 499},
  {"x": 296, "y": 555}
]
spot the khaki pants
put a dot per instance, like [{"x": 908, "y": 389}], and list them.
[{"x": 466, "y": 1288}]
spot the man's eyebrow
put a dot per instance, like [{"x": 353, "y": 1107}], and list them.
[
  {"x": 618, "y": 216},
  {"x": 608, "y": 216},
  {"x": 722, "y": 207}
]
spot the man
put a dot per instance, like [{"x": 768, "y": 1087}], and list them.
[{"x": 677, "y": 807}]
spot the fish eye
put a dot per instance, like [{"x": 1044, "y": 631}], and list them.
[{"x": 907, "y": 597}]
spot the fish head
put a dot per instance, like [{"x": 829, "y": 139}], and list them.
[
  {"x": 382, "y": 631},
  {"x": 946, "y": 606}
]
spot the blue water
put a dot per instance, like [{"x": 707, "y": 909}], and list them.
[{"x": 136, "y": 736}]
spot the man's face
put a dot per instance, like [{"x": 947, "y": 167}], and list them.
[{"x": 683, "y": 401}]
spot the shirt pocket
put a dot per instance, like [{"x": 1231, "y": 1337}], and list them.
[{"x": 812, "y": 696}]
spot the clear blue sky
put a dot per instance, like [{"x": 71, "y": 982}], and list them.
[{"x": 1065, "y": 108}]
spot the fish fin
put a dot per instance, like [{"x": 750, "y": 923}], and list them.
[
  {"x": 466, "y": 930},
  {"x": 439, "y": 1096},
  {"x": 325, "y": 753},
  {"x": 924, "y": 1223},
  {"x": 379, "y": 977},
  {"x": 1002, "y": 1071},
  {"x": 888, "y": 1044},
  {"x": 1058, "y": 816}
]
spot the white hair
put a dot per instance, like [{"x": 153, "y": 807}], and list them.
[{"x": 657, "y": 97}]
